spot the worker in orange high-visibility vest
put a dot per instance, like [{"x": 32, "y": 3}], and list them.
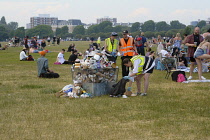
[{"x": 127, "y": 49}]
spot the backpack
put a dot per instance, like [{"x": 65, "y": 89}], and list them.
[
  {"x": 181, "y": 78},
  {"x": 139, "y": 42},
  {"x": 175, "y": 76}
]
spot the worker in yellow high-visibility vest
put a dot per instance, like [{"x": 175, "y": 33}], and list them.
[
  {"x": 111, "y": 46},
  {"x": 142, "y": 66}
]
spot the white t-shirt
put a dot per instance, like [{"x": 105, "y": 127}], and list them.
[
  {"x": 22, "y": 55},
  {"x": 163, "y": 52},
  {"x": 61, "y": 58}
]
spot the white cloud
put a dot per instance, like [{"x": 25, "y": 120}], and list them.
[{"x": 139, "y": 12}]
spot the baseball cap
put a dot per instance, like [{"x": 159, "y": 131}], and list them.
[
  {"x": 114, "y": 34},
  {"x": 125, "y": 32},
  {"x": 42, "y": 52}
]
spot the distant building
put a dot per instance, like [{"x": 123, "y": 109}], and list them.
[
  {"x": 194, "y": 23},
  {"x": 208, "y": 21},
  {"x": 28, "y": 26},
  {"x": 112, "y": 20},
  {"x": 42, "y": 19},
  {"x": 71, "y": 24}
]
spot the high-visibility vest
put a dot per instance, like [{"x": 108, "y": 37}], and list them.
[
  {"x": 98, "y": 40},
  {"x": 127, "y": 49},
  {"x": 141, "y": 64},
  {"x": 111, "y": 47}
]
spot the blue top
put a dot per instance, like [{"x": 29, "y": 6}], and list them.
[
  {"x": 143, "y": 41},
  {"x": 177, "y": 43}
]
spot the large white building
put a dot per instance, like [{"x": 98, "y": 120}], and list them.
[
  {"x": 42, "y": 19},
  {"x": 71, "y": 24}
]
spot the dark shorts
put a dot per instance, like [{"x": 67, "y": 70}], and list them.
[
  {"x": 192, "y": 59},
  {"x": 147, "y": 66}
]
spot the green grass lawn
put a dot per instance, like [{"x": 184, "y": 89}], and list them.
[{"x": 29, "y": 109}]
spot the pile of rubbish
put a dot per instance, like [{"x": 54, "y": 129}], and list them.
[
  {"x": 94, "y": 70},
  {"x": 73, "y": 91}
]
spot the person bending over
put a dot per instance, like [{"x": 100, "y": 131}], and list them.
[{"x": 142, "y": 67}]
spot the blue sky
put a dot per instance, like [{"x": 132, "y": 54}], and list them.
[{"x": 89, "y": 10}]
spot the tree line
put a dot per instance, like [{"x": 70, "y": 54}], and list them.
[{"x": 150, "y": 28}]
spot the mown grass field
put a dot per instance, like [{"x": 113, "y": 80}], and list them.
[{"x": 29, "y": 109}]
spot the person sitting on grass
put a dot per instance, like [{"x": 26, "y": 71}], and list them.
[
  {"x": 60, "y": 57},
  {"x": 43, "y": 69},
  {"x": 23, "y": 56},
  {"x": 73, "y": 57}
]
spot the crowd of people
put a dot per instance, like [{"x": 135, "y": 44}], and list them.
[{"x": 135, "y": 63}]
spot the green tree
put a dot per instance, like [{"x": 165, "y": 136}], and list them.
[
  {"x": 12, "y": 34},
  {"x": 187, "y": 30},
  {"x": 162, "y": 26},
  {"x": 171, "y": 32},
  {"x": 149, "y": 34},
  {"x": 12, "y": 25},
  {"x": 117, "y": 28},
  {"x": 4, "y": 34},
  {"x": 108, "y": 29},
  {"x": 103, "y": 25},
  {"x": 201, "y": 24},
  {"x": 41, "y": 30},
  {"x": 135, "y": 27},
  {"x": 175, "y": 24},
  {"x": 205, "y": 28},
  {"x": 20, "y": 32},
  {"x": 79, "y": 30},
  {"x": 92, "y": 29},
  {"x": 58, "y": 32},
  {"x": 64, "y": 30},
  {"x": 3, "y": 21},
  {"x": 148, "y": 26}
]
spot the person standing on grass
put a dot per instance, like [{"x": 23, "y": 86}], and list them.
[
  {"x": 127, "y": 49},
  {"x": 177, "y": 41},
  {"x": 48, "y": 40},
  {"x": 58, "y": 40},
  {"x": 43, "y": 43},
  {"x": 111, "y": 46},
  {"x": 141, "y": 43},
  {"x": 192, "y": 42},
  {"x": 142, "y": 67},
  {"x": 54, "y": 39},
  {"x": 200, "y": 54},
  {"x": 43, "y": 69}
]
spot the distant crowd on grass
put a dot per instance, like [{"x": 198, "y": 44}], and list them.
[{"x": 139, "y": 53}]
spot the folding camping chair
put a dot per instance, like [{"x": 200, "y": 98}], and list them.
[{"x": 167, "y": 66}]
